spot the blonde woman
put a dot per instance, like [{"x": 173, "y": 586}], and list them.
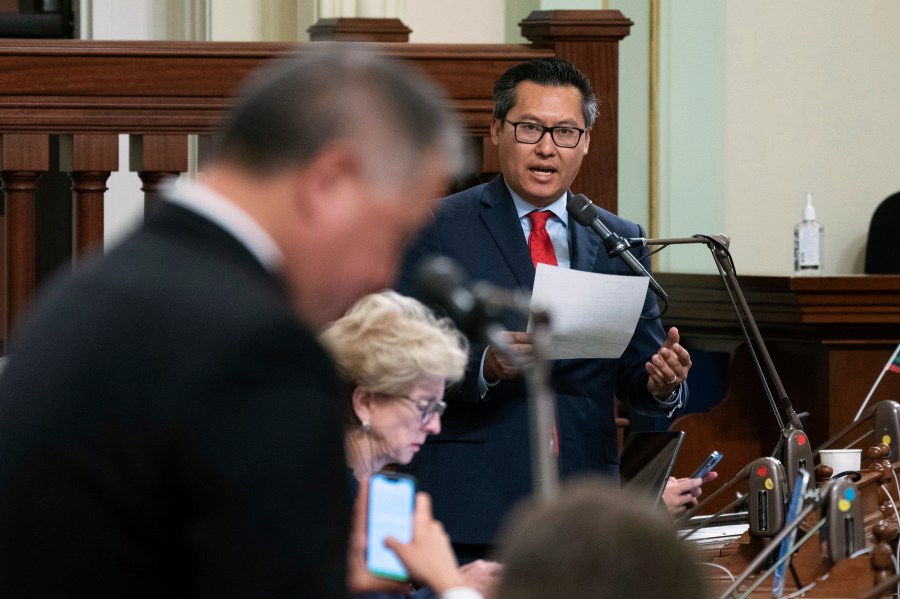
[{"x": 396, "y": 356}]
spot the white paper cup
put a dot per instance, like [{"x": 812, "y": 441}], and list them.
[{"x": 841, "y": 460}]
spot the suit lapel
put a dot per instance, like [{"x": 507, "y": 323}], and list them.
[
  {"x": 500, "y": 217},
  {"x": 583, "y": 248},
  {"x": 502, "y": 221}
]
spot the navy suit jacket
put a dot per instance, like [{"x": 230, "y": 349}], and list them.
[
  {"x": 479, "y": 464},
  {"x": 169, "y": 428}
]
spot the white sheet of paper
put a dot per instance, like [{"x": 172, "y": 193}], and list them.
[{"x": 592, "y": 315}]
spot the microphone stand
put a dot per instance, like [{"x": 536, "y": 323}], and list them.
[
  {"x": 541, "y": 402},
  {"x": 542, "y": 411},
  {"x": 478, "y": 310},
  {"x": 794, "y": 446},
  {"x": 859, "y": 421}
]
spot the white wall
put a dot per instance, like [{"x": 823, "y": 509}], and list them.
[
  {"x": 760, "y": 102},
  {"x": 634, "y": 109},
  {"x": 445, "y": 22},
  {"x": 691, "y": 179},
  {"x": 811, "y": 103}
]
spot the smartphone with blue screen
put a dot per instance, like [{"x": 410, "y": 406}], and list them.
[{"x": 392, "y": 500}]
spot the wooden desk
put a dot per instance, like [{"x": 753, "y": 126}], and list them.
[{"x": 829, "y": 338}]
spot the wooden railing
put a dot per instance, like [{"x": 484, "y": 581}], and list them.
[{"x": 74, "y": 98}]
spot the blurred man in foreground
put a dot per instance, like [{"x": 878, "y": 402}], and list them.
[{"x": 168, "y": 425}]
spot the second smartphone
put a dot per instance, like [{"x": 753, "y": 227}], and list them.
[{"x": 392, "y": 500}]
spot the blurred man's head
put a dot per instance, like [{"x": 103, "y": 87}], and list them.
[{"x": 339, "y": 153}]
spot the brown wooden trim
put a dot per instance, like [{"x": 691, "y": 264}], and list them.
[
  {"x": 22, "y": 159},
  {"x": 350, "y": 29},
  {"x": 89, "y": 159},
  {"x": 552, "y": 26},
  {"x": 158, "y": 153},
  {"x": 156, "y": 159},
  {"x": 841, "y": 308},
  {"x": 88, "y": 189}
]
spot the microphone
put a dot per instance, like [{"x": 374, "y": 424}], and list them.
[
  {"x": 473, "y": 307},
  {"x": 588, "y": 215}
]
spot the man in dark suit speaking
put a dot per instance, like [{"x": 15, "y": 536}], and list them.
[
  {"x": 479, "y": 465},
  {"x": 167, "y": 419}
]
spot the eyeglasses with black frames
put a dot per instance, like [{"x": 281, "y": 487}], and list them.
[{"x": 563, "y": 136}]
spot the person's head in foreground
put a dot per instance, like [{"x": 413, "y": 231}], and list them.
[
  {"x": 396, "y": 356},
  {"x": 595, "y": 541},
  {"x": 339, "y": 154}
]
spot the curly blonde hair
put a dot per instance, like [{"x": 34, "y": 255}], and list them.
[{"x": 386, "y": 342}]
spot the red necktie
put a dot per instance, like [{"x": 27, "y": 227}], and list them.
[
  {"x": 542, "y": 253},
  {"x": 539, "y": 241}
]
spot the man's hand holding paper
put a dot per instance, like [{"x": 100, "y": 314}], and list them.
[{"x": 592, "y": 315}]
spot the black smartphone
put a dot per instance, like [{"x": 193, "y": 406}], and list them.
[
  {"x": 392, "y": 500},
  {"x": 707, "y": 465}
]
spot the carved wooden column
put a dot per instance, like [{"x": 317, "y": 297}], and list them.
[
  {"x": 589, "y": 39},
  {"x": 89, "y": 159},
  {"x": 23, "y": 157},
  {"x": 156, "y": 158}
]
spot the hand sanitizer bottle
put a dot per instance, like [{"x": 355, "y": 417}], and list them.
[{"x": 808, "y": 239}]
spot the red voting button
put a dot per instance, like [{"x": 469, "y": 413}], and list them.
[
  {"x": 801, "y": 439},
  {"x": 762, "y": 471}
]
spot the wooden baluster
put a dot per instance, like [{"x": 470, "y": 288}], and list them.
[
  {"x": 823, "y": 473},
  {"x": 23, "y": 157},
  {"x": 882, "y": 552},
  {"x": 156, "y": 158},
  {"x": 89, "y": 159}
]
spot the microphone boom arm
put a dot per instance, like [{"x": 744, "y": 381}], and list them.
[{"x": 718, "y": 246}]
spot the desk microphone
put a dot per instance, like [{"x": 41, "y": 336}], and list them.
[
  {"x": 886, "y": 428},
  {"x": 586, "y": 214},
  {"x": 767, "y": 498},
  {"x": 844, "y": 531}
]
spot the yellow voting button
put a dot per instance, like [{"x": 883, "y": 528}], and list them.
[
  {"x": 886, "y": 439},
  {"x": 843, "y": 505},
  {"x": 769, "y": 484}
]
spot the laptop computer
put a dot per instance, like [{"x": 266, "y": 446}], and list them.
[{"x": 647, "y": 461}]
